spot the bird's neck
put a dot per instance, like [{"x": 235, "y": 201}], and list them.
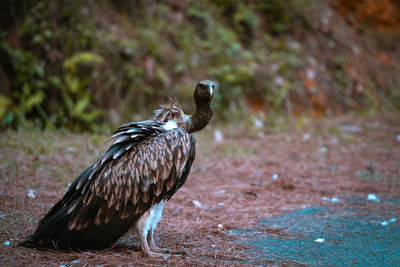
[{"x": 200, "y": 118}]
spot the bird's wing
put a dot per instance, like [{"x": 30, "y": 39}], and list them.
[
  {"x": 125, "y": 138},
  {"x": 144, "y": 165},
  {"x": 131, "y": 183}
]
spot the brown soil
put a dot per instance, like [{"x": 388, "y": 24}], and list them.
[
  {"x": 383, "y": 14},
  {"x": 313, "y": 159}
]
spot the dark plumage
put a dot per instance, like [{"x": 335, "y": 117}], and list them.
[{"x": 128, "y": 186}]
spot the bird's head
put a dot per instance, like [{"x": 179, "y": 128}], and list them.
[{"x": 204, "y": 91}]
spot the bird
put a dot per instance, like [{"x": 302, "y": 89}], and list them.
[{"x": 128, "y": 186}]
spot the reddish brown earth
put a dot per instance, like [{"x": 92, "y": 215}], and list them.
[{"x": 342, "y": 157}]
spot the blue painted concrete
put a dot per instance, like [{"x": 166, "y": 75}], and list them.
[{"x": 352, "y": 231}]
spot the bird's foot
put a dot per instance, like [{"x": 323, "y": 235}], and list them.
[
  {"x": 170, "y": 251},
  {"x": 152, "y": 254}
]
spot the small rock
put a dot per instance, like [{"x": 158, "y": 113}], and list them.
[
  {"x": 325, "y": 198},
  {"x": 220, "y": 227},
  {"x": 384, "y": 223},
  {"x": 392, "y": 220},
  {"x": 275, "y": 176},
  {"x": 373, "y": 197},
  {"x": 7, "y": 243},
  {"x": 319, "y": 240}
]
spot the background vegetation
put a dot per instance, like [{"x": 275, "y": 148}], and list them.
[{"x": 81, "y": 64}]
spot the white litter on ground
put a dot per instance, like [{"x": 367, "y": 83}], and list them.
[
  {"x": 7, "y": 243},
  {"x": 31, "y": 193},
  {"x": 196, "y": 203},
  {"x": 384, "y": 223},
  {"x": 350, "y": 128},
  {"x": 258, "y": 123},
  {"x": 220, "y": 226},
  {"x": 335, "y": 200},
  {"x": 306, "y": 137},
  {"x": 71, "y": 149},
  {"x": 218, "y": 136},
  {"x": 275, "y": 176},
  {"x": 373, "y": 197},
  {"x": 392, "y": 220},
  {"x": 319, "y": 240},
  {"x": 398, "y": 137},
  {"x": 323, "y": 149},
  {"x": 221, "y": 203}
]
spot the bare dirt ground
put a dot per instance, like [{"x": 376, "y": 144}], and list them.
[{"x": 230, "y": 185}]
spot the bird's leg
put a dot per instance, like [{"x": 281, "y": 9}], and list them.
[
  {"x": 146, "y": 249},
  {"x": 143, "y": 231},
  {"x": 153, "y": 246}
]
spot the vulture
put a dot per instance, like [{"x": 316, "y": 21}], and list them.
[{"x": 127, "y": 188}]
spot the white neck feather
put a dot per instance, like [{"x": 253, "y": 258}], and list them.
[{"x": 169, "y": 125}]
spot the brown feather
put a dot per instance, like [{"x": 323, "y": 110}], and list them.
[
  {"x": 134, "y": 197},
  {"x": 131, "y": 182},
  {"x": 145, "y": 196},
  {"x": 158, "y": 188},
  {"x": 88, "y": 198}
]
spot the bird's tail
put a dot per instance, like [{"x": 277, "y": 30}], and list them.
[{"x": 29, "y": 242}]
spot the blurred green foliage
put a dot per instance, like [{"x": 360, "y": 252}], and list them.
[{"x": 74, "y": 64}]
